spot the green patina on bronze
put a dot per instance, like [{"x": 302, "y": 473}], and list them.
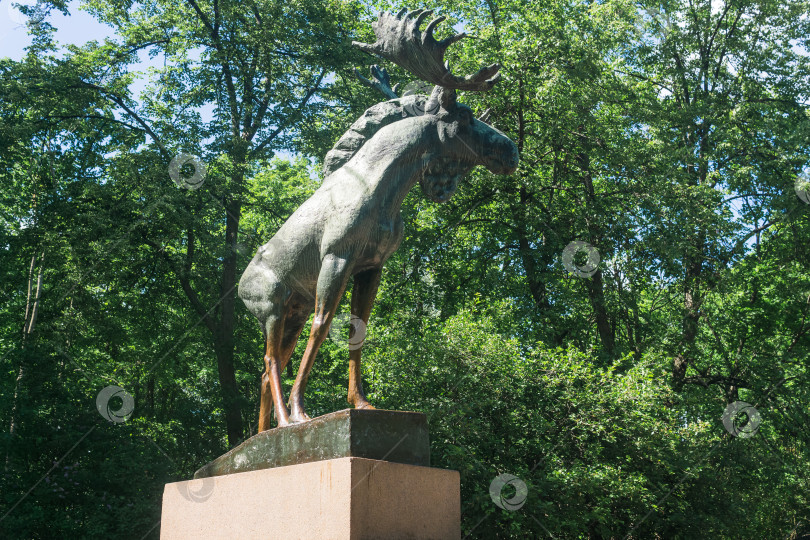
[
  {"x": 352, "y": 224},
  {"x": 397, "y": 436}
]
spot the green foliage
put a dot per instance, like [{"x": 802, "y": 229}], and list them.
[{"x": 669, "y": 136}]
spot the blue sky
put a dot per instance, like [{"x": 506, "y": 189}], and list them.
[{"x": 77, "y": 28}]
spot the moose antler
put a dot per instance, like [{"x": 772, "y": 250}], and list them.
[
  {"x": 400, "y": 41},
  {"x": 379, "y": 81}
]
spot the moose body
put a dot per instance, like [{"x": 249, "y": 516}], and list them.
[{"x": 352, "y": 224}]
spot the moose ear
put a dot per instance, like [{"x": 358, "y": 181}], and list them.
[{"x": 445, "y": 96}]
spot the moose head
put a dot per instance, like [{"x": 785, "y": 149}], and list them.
[{"x": 465, "y": 141}]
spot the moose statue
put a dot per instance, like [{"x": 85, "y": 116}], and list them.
[{"x": 351, "y": 225}]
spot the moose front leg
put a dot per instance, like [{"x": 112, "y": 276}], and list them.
[
  {"x": 363, "y": 295},
  {"x": 331, "y": 284}
]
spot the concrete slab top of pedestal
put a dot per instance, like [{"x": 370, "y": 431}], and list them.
[{"x": 396, "y": 436}]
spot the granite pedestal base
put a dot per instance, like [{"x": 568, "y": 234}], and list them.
[{"x": 338, "y": 499}]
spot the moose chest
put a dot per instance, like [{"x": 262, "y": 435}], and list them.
[{"x": 382, "y": 240}]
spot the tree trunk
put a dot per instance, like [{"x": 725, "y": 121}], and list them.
[
  {"x": 227, "y": 382},
  {"x": 537, "y": 288},
  {"x": 691, "y": 315},
  {"x": 595, "y": 285},
  {"x": 31, "y": 308},
  {"x": 596, "y": 294},
  {"x": 224, "y": 335}
]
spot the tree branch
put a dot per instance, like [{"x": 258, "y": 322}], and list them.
[
  {"x": 121, "y": 103},
  {"x": 258, "y": 148},
  {"x": 185, "y": 283}
]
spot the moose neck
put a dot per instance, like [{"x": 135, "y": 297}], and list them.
[{"x": 392, "y": 161}]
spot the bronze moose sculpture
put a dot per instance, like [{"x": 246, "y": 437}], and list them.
[{"x": 351, "y": 225}]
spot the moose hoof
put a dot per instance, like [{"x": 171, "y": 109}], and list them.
[
  {"x": 282, "y": 419},
  {"x": 364, "y": 405},
  {"x": 299, "y": 417}
]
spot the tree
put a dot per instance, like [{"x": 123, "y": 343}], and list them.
[
  {"x": 260, "y": 79},
  {"x": 732, "y": 99}
]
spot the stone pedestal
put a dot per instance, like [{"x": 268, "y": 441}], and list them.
[
  {"x": 340, "y": 499},
  {"x": 353, "y": 475}
]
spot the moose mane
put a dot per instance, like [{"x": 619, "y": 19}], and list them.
[{"x": 364, "y": 128}]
